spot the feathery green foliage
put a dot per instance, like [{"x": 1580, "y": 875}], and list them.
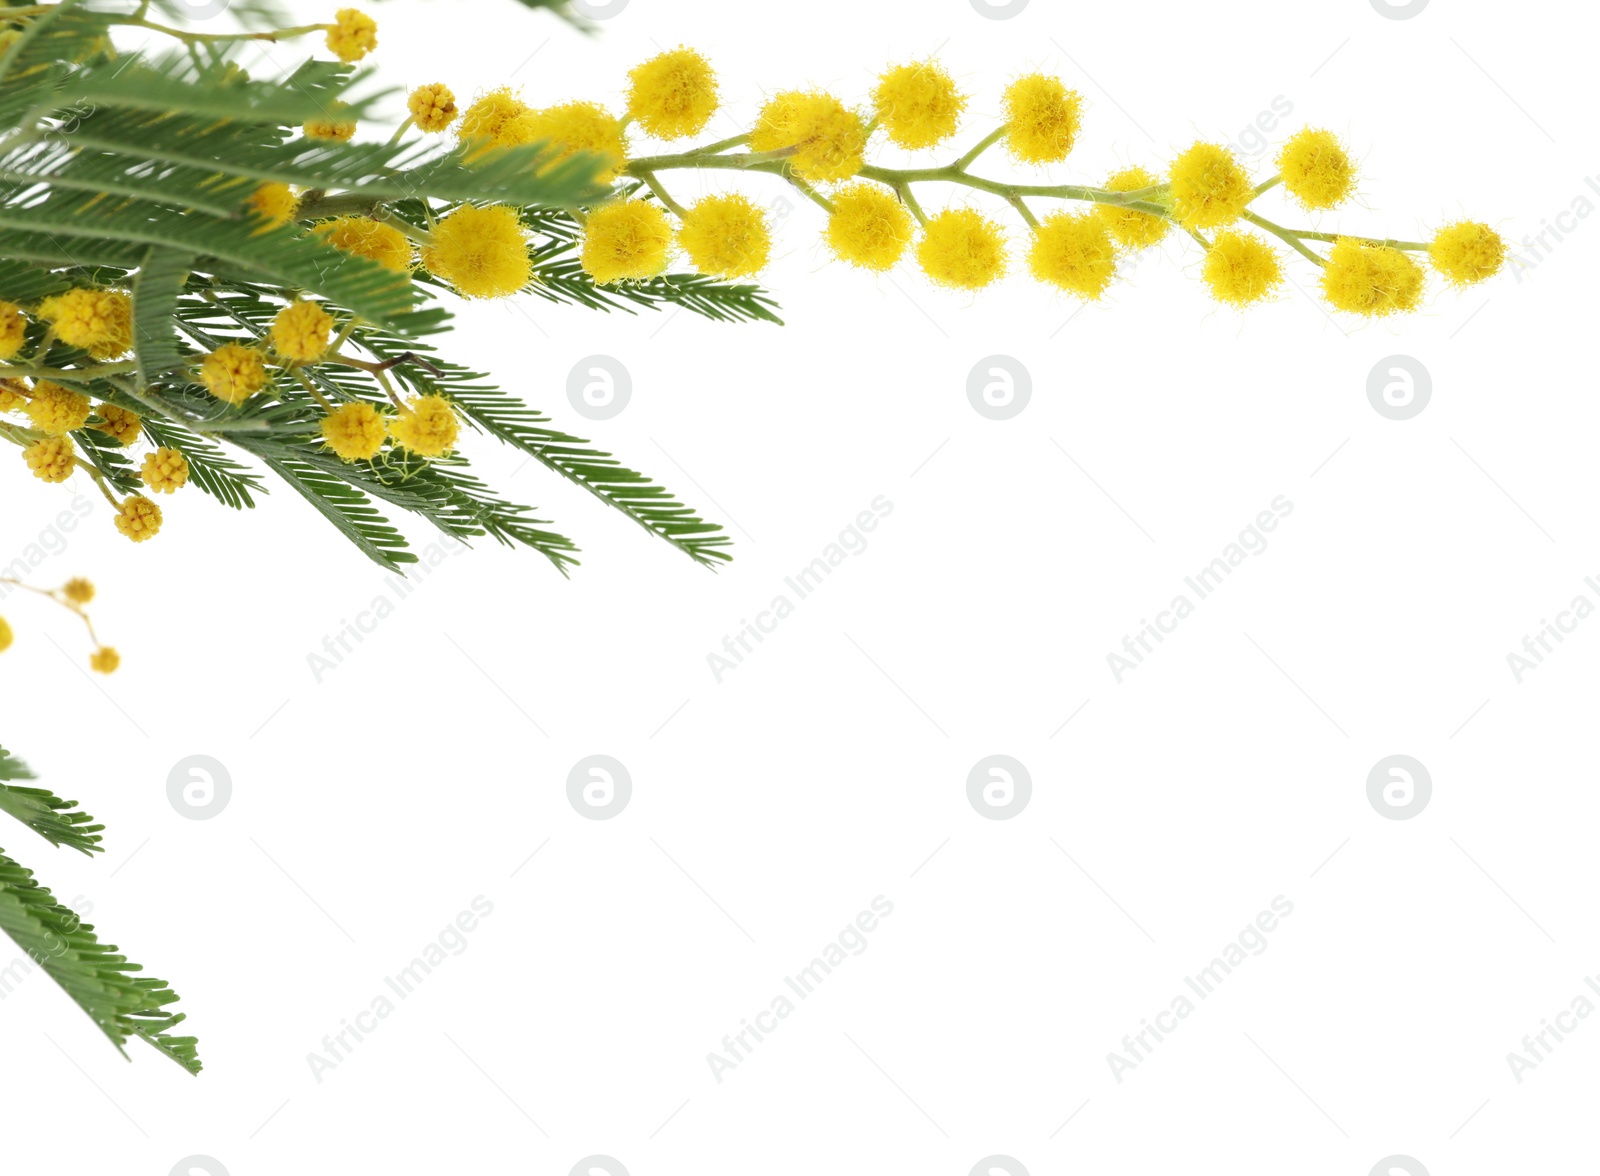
[
  {"x": 152, "y": 173},
  {"x": 100, "y": 979}
]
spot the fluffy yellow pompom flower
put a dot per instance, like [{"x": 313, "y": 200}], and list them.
[
  {"x": 427, "y": 426},
  {"x": 828, "y": 138},
  {"x": 962, "y": 248},
  {"x": 335, "y": 130},
  {"x": 164, "y": 470},
  {"x": 1128, "y": 226},
  {"x": 121, "y": 423},
  {"x": 1209, "y": 188},
  {"x": 673, "y": 94},
  {"x": 432, "y": 107},
  {"x": 1042, "y": 118},
  {"x": 490, "y": 120},
  {"x": 726, "y": 236},
  {"x": 12, "y": 398},
  {"x": 1073, "y": 251},
  {"x": 300, "y": 331},
  {"x": 574, "y": 127},
  {"x": 105, "y": 660},
  {"x": 354, "y": 431},
  {"x": 868, "y": 227},
  {"x": 1316, "y": 168},
  {"x": 235, "y": 372},
  {"x": 274, "y": 203},
  {"x": 365, "y": 237},
  {"x": 918, "y": 104},
  {"x": 99, "y": 321},
  {"x": 78, "y": 590},
  {"x": 628, "y": 240},
  {"x": 138, "y": 518},
  {"x": 480, "y": 251},
  {"x": 354, "y": 34},
  {"x": 5, "y": 629},
  {"x": 13, "y": 329},
  {"x": 1241, "y": 268},
  {"x": 51, "y": 459},
  {"x": 1467, "y": 252},
  {"x": 1371, "y": 279},
  {"x": 54, "y": 409}
]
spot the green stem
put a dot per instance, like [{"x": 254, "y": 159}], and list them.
[
  {"x": 1264, "y": 185},
  {"x": 191, "y": 38},
  {"x": 812, "y": 194},
  {"x": 71, "y": 375},
  {"x": 322, "y": 206},
  {"x": 309, "y": 387},
  {"x": 663, "y": 195},
  {"x": 1413, "y": 246},
  {"x": 1022, "y": 210},
  {"x": 984, "y": 144},
  {"x": 1282, "y": 234},
  {"x": 721, "y": 145}
]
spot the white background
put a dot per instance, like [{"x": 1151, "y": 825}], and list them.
[{"x": 768, "y": 809}]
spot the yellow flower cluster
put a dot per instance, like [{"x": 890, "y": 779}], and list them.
[
  {"x": 365, "y": 237},
  {"x": 299, "y": 332},
  {"x": 353, "y": 34},
  {"x": 276, "y": 204},
  {"x": 234, "y": 372},
  {"x": 482, "y": 252},
  {"x": 426, "y": 426},
  {"x": 812, "y": 137},
  {"x": 98, "y": 321},
  {"x": 432, "y": 107},
  {"x": 73, "y": 596}
]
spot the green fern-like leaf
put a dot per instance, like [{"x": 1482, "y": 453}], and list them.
[{"x": 95, "y": 975}]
